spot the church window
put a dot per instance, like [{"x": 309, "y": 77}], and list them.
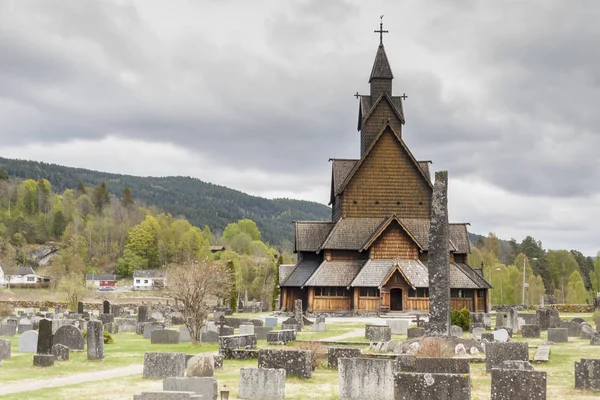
[
  {"x": 369, "y": 292},
  {"x": 418, "y": 292},
  {"x": 317, "y": 291}
]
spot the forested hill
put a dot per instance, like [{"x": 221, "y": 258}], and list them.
[{"x": 200, "y": 202}]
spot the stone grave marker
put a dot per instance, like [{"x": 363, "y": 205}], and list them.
[
  {"x": 294, "y": 362},
  {"x": 202, "y": 365},
  {"x": 163, "y": 365},
  {"x": 271, "y": 321},
  {"x": 24, "y": 328},
  {"x": 478, "y": 332},
  {"x": 206, "y": 388},
  {"x": 5, "y": 350},
  {"x": 164, "y": 336},
  {"x": 496, "y": 353},
  {"x": 378, "y": 333},
  {"x": 80, "y": 307},
  {"x": 44, "y": 345},
  {"x": 518, "y": 384},
  {"x": 69, "y": 336},
  {"x": 558, "y": 335},
  {"x": 366, "y": 378},
  {"x": 281, "y": 337},
  {"x": 28, "y": 342},
  {"x": 262, "y": 383},
  {"x": 542, "y": 354},
  {"x": 95, "y": 341},
  {"x": 415, "y": 332},
  {"x": 419, "y": 386},
  {"x": 106, "y": 307},
  {"x": 247, "y": 328},
  {"x": 530, "y": 331},
  {"x": 501, "y": 335},
  {"x": 60, "y": 352},
  {"x": 456, "y": 331},
  {"x": 8, "y": 330},
  {"x": 587, "y": 374},
  {"x": 184, "y": 335},
  {"x": 334, "y": 353},
  {"x": 142, "y": 314},
  {"x": 398, "y": 326}
]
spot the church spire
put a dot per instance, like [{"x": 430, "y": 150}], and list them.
[{"x": 381, "y": 74}]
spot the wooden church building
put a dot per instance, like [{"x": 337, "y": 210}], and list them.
[{"x": 372, "y": 255}]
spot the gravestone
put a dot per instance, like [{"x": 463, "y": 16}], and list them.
[
  {"x": 247, "y": 328},
  {"x": 115, "y": 310},
  {"x": 80, "y": 307},
  {"x": 518, "y": 384},
  {"x": 5, "y": 350},
  {"x": 419, "y": 386},
  {"x": 271, "y": 321},
  {"x": 202, "y": 365},
  {"x": 261, "y": 332},
  {"x": 366, "y": 379},
  {"x": 262, "y": 383},
  {"x": 294, "y": 362},
  {"x": 298, "y": 312},
  {"x": 281, "y": 337},
  {"x": 438, "y": 263},
  {"x": 319, "y": 325},
  {"x": 574, "y": 328},
  {"x": 501, "y": 335},
  {"x": 398, "y": 326},
  {"x": 167, "y": 395},
  {"x": 60, "y": 352},
  {"x": 163, "y": 365},
  {"x": 28, "y": 342},
  {"x": 69, "y": 336},
  {"x": 587, "y": 374},
  {"x": 107, "y": 318},
  {"x": 106, "y": 307},
  {"x": 228, "y": 344},
  {"x": 24, "y": 328},
  {"x": 543, "y": 318},
  {"x": 586, "y": 331},
  {"x": 542, "y": 354},
  {"x": 184, "y": 335},
  {"x": 378, "y": 333},
  {"x": 478, "y": 332},
  {"x": 335, "y": 353},
  {"x": 496, "y": 353},
  {"x": 44, "y": 345},
  {"x": 512, "y": 322},
  {"x": 433, "y": 365},
  {"x": 207, "y": 388},
  {"x": 95, "y": 341},
  {"x": 488, "y": 337},
  {"x": 142, "y": 314},
  {"x": 210, "y": 336},
  {"x": 149, "y": 327},
  {"x": 415, "y": 332},
  {"x": 164, "y": 336},
  {"x": 8, "y": 330},
  {"x": 530, "y": 331},
  {"x": 558, "y": 335},
  {"x": 595, "y": 340},
  {"x": 456, "y": 331}
]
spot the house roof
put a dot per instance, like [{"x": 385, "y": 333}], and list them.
[
  {"x": 302, "y": 271},
  {"x": 382, "y": 227},
  {"x": 381, "y": 66},
  {"x": 425, "y": 167},
  {"x": 367, "y": 106},
  {"x": 340, "y": 168},
  {"x": 335, "y": 273},
  {"x": 216, "y": 248},
  {"x": 351, "y": 233},
  {"x": 311, "y": 234},
  {"x": 284, "y": 271},
  {"x": 459, "y": 235},
  {"x": 385, "y": 128},
  {"x": 97, "y": 277},
  {"x": 474, "y": 276},
  {"x": 18, "y": 271},
  {"x": 149, "y": 273}
]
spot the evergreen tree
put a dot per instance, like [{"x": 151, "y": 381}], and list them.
[
  {"x": 576, "y": 293},
  {"x": 81, "y": 188},
  {"x": 595, "y": 275},
  {"x": 276, "y": 289},
  {"x": 127, "y": 198},
  {"x": 3, "y": 175},
  {"x": 58, "y": 224},
  {"x": 101, "y": 197},
  {"x": 234, "y": 290}
]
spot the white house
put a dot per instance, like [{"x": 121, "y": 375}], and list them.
[
  {"x": 148, "y": 279},
  {"x": 23, "y": 276},
  {"x": 95, "y": 280}
]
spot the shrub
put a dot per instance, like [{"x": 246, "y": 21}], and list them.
[
  {"x": 5, "y": 310},
  {"x": 435, "y": 347},
  {"x": 107, "y": 337},
  {"x": 318, "y": 352},
  {"x": 461, "y": 318}
]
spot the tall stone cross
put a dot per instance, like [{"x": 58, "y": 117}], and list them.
[
  {"x": 221, "y": 323},
  {"x": 381, "y": 31},
  {"x": 438, "y": 262}
]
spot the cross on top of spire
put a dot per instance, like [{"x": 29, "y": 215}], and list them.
[{"x": 381, "y": 31}]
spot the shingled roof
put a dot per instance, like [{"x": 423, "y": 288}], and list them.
[
  {"x": 284, "y": 271},
  {"x": 381, "y": 66},
  {"x": 335, "y": 273},
  {"x": 460, "y": 237},
  {"x": 351, "y": 233},
  {"x": 303, "y": 270},
  {"x": 340, "y": 170},
  {"x": 375, "y": 272},
  {"x": 310, "y": 235},
  {"x": 473, "y": 275},
  {"x": 367, "y": 105},
  {"x": 425, "y": 168}
]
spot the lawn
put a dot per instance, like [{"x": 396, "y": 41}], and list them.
[{"x": 129, "y": 348}]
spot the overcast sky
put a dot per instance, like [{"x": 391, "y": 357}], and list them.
[{"x": 257, "y": 96}]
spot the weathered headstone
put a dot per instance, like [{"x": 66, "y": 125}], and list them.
[
  {"x": 247, "y": 329},
  {"x": 501, "y": 335},
  {"x": 334, "y": 353},
  {"x": 262, "y": 331},
  {"x": 419, "y": 386},
  {"x": 366, "y": 379},
  {"x": 5, "y": 350},
  {"x": 106, "y": 307},
  {"x": 530, "y": 331},
  {"x": 586, "y": 331},
  {"x": 164, "y": 336},
  {"x": 28, "y": 342},
  {"x": 587, "y": 374},
  {"x": 262, "y": 383},
  {"x": 542, "y": 354},
  {"x": 60, "y": 352},
  {"x": 201, "y": 365},
  {"x": 378, "y": 333},
  {"x": 206, "y": 388},
  {"x": 281, "y": 337},
  {"x": 438, "y": 262},
  {"x": 80, "y": 307},
  {"x": 142, "y": 314},
  {"x": 184, "y": 335},
  {"x": 8, "y": 330},
  {"x": 433, "y": 365},
  {"x": 518, "y": 384},
  {"x": 456, "y": 331},
  {"x": 415, "y": 332},
  {"x": 295, "y": 362},
  {"x": 44, "y": 345},
  {"x": 210, "y": 336},
  {"x": 319, "y": 325},
  {"x": 478, "y": 332},
  {"x": 69, "y": 336},
  {"x": 543, "y": 318},
  {"x": 271, "y": 321},
  {"x": 24, "y": 328},
  {"x": 95, "y": 341},
  {"x": 398, "y": 326},
  {"x": 496, "y": 353},
  {"x": 558, "y": 335},
  {"x": 163, "y": 365},
  {"x": 227, "y": 344},
  {"x": 107, "y": 318}
]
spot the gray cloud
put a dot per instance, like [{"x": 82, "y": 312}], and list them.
[{"x": 504, "y": 94}]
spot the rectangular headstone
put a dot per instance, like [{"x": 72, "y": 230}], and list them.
[
  {"x": 513, "y": 384},
  {"x": 262, "y": 383},
  {"x": 378, "y": 333},
  {"x": 497, "y": 353},
  {"x": 587, "y": 374},
  {"x": 420, "y": 386},
  {"x": 207, "y": 387},
  {"x": 542, "y": 354},
  {"x": 366, "y": 379},
  {"x": 106, "y": 307},
  {"x": 44, "y": 345},
  {"x": 271, "y": 321},
  {"x": 163, "y": 365},
  {"x": 334, "y": 353},
  {"x": 95, "y": 341},
  {"x": 164, "y": 336},
  {"x": 5, "y": 350},
  {"x": 558, "y": 335},
  {"x": 281, "y": 337},
  {"x": 294, "y": 362},
  {"x": 530, "y": 331},
  {"x": 398, "y": 326}
]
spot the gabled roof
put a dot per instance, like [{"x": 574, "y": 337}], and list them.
[
  {"x": 368, "y": 103},
  {"x": 371, "y": 146},
  {"x": 459, "y": 235},
  {"x": 473, "y": 275},
  {"x": 310, "y": 235},
  {"x": 284, "y": 271},
  {"x": 18, "y": 271},
  {"x": 351, "y": 233},
  {"x": 376, "y": 272},
  {"x": 335, "y": 273},
  {"x": 381, "y": 66},
  {"x": 149, "y": 273},
  {"x": 425, "y": 167},
  {"x": 419, "y": 228},
  {"x": 302, "y": 271},
  {"x": 382, "y": 229},
  {"x": 340, "y": 168},
  {"x": 97, "y": 277}
]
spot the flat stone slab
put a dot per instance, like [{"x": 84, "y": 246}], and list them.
[
  {"x": 262, "y": 383},
  {"x": 542, "y": 354},
  {"x": 513, "y": 384}
]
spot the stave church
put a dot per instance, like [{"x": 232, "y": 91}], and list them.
[{"x": 372, "y": 256}]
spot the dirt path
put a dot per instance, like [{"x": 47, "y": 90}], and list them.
[
  {"x": 354, "y": 333},
  {"x": 29, "y": 385}
]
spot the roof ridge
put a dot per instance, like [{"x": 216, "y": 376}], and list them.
[{"x": 381, "y": 66}]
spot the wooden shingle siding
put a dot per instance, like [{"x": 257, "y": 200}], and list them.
[
  {"x": 345, "y": 255},
  {"x": 336, "y": 209},
  {"x": 387, "y": 176},
  {"x": 379, "y": 86},
  {"x": 376, "y": 121},
  {"x": 394, "y": 243}
]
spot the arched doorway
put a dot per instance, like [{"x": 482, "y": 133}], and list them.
[{"x": 396, "y": 299}]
